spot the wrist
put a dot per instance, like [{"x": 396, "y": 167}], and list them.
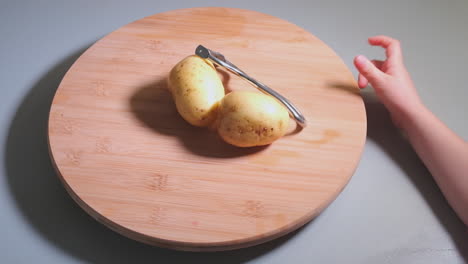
[{"x": 411, "y": 114}]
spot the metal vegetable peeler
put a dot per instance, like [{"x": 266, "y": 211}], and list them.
[{"x": 220, "y": 60}]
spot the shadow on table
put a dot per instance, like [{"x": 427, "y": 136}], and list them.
[
  {"x": 44, "y": 202},
  {"x": 382, "y": 131}
]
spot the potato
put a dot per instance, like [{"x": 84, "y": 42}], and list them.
[
  {"x": 248, "y": 119},
  {"x": 196, "y": 89}
]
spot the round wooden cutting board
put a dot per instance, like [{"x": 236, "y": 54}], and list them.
[{"x": 127, "y": 157}]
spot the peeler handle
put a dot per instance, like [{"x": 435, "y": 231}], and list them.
[{"x": 220, "y": 60}]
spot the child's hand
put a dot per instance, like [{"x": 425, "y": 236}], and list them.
[
  {"x": 443, "y": 152},
  {"x": 390, "y": 80}
]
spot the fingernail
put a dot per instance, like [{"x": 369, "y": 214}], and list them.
[{"x": 361, "y": 59}]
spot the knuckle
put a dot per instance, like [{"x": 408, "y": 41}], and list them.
[{"x": 367, "y": 71}]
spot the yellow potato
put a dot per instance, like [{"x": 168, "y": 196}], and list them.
[
  {"x": 248, "y": 119},
  {"x": 196, "y": 89}
]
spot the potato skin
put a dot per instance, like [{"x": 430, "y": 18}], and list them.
[
  {"x": 248, "y": 119},
  {"x": 196, "y": 89}
]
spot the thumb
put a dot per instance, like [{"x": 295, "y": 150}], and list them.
[{"x": 368, "y": 70}]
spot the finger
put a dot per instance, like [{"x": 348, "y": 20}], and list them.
[
  {"x": 392, "y": 47},
  {"x": 362, "y": 81},
  {"x": 368, "y": 70}
]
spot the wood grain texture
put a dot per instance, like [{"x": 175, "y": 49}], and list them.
[{"x": 127, "y": 157}]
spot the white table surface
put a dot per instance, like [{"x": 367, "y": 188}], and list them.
[{"x": 390, "y": 212}]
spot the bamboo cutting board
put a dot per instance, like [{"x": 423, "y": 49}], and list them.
[{"x": 127, "y": 157}]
